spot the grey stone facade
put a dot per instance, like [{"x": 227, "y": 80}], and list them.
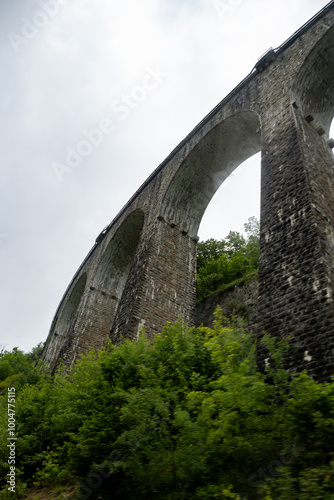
[{"x": 141, "y": 271}]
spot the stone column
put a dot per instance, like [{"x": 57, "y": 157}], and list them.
[
  {"x": 161, "y": 284},
  {"x": 297, "y": 239}
]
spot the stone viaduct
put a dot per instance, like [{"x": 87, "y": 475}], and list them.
[{"x": 141, "y": 270}]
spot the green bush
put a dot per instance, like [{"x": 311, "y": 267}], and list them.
[
  {"x": 220, "y": 263},
  {"x": 185, "y": 416},
  {"x": 18, "y": 369}
]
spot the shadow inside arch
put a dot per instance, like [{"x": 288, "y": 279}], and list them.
[
  {"x": 313, "y": 88},
  {"x": 207, "y": 166}
]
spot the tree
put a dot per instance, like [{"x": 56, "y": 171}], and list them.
[
  {"x": 252, "y": 227},
  {"x": 235, "y": 243},
  {"x": 209, "y": 250},
  {"x": 219, "y": 263},
  {"x": 18, "y": 368}
]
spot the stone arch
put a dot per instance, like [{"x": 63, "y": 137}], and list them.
[
  {"x": 64, "y": 322},
  {"x": 116, "y": 261},
  {"x": 210, "y": 162},
  {"x": 313, "y": 89},
  {"x": 240, "y": 195},
  {"x": 88, "y": 312}
]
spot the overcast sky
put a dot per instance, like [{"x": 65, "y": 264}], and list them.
[{"x": 94, "y": 95}]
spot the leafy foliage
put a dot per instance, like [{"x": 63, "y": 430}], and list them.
[
  {"x": 220, "y": 263},
  {"x": 18, "y": 368},
  {"x": 186, "y": 416}
]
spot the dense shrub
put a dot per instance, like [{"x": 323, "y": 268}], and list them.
[{"x": 185, "y": 416}]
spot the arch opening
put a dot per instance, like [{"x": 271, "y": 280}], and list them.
[
  {"x": 313, "y": 89},
  {"x": 115, "y": 264},
  {"x": 208, "y": 165},
  {"x": 86, "y": 321},
  {"x": 225, "y": 238},
  {"x": 64, "y": 322},
  {"x": 237, "y": 199}
]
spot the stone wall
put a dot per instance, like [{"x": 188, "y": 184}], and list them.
[{"x": 239, "y": 301}]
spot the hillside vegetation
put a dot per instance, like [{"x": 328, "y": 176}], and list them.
[
  {"x": 187, "y": 416},
  {"x": 221, "y": 262}
]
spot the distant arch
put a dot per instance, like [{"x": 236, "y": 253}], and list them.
[
  {"x": 64, "y": 321},
  {"x": 211, "y": 161},
  {"x": 313, "y": 89}
]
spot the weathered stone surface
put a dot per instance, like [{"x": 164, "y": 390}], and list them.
[
  {"x": 238, "y": 302},
  {"x": 141, "y": 270}
]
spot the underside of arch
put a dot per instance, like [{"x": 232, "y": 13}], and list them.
[
  {"x": 116, "y": 261},
  {"x": 210, "y": 162},
  {"x": 313, "y": 89},
  {"x": 64, "y": 322}
]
